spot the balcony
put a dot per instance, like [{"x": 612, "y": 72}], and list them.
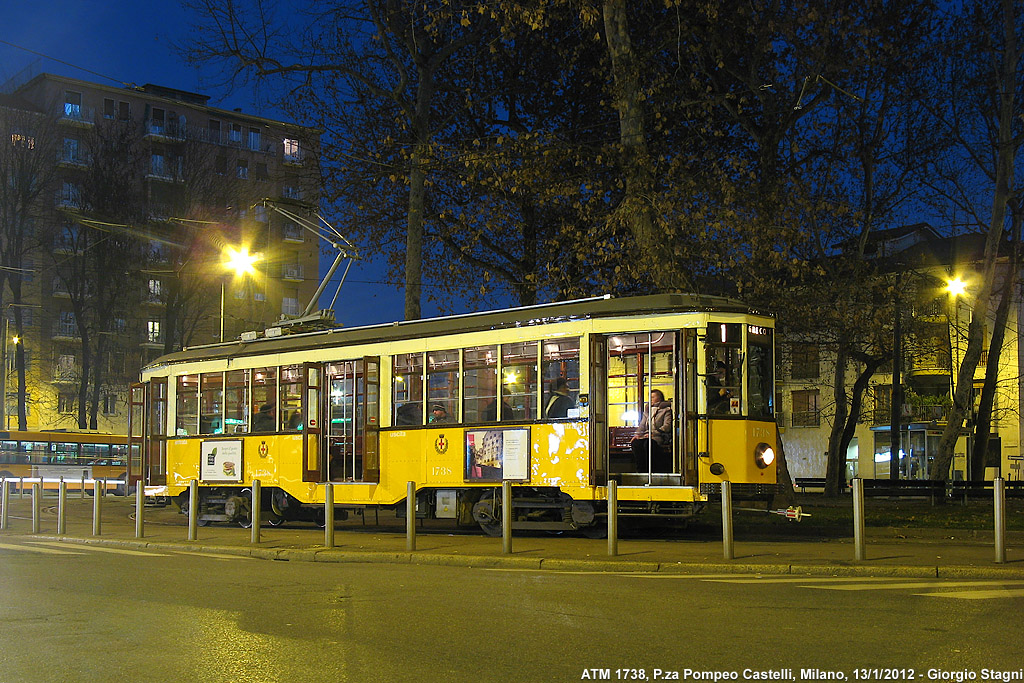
[
  {"x": 163, "y": 131},
  {"x": 69, "y": 159},
  {"x": 292, "y": 273},
  {"x": 76, "y": 115},
  {"x": 912, "y": 413},
  {"x": 806, "y": 418}
]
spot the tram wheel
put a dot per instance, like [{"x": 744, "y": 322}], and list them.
[
  {"x": 275, "y": 520},
  {"x": 239, "y": 508},
  {"x": 487, "y": 513}
]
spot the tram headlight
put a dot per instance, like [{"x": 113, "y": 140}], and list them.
[{"x": 764, "y": 455}]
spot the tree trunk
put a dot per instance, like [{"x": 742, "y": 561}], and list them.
[
  {"x": 785, "y": 495},
  {"x": 1006, "y": 85},
  {"x": 417, "y": 198},
  {"x": 835, "y": 460},
  {"x": 634, "y": 209},
  {"x": 983, "y": 425}
]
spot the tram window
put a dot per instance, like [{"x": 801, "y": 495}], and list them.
[
  {"x": 561, "y": 359},
  {"x": 480, "y": 388},
  {"x": 8, "y": 452},
  {"x": 211, "y": 403},
  {"x": 63, "y": 453},
  {"x": 235, "y": 400},
  {"x": 724, "y": 378},
  {"x": 92, "y": 452},
  {"x": 407, "y": 399},
  {"x": 760, "y": 382},
  {"x": 118, "y": 454},
  {"x": 443, "y": 384},
  {"x": 264, "y": 394},
  {"x": 519, "y": 379},
  {"x": 290, "y": 402},
  {"x": 186, "y": 415}
]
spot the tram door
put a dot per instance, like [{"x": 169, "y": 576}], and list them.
[
  {"x": 155, "y": 464},
  {"x": 351, "y": 419},
  {"x": 598, "y": 401},
  {"x": 136, "y": 432}
]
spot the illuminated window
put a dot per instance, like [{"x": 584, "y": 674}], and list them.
[
  {"x": 153, "y": 332},
  {"x": 254, "y": 139},
  {"x": 292, "y": 152}
]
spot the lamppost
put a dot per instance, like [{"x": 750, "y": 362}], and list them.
[{"x": 242, "y": 263}]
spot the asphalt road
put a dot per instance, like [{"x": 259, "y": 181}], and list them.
[{"x": 72, "y": 613}]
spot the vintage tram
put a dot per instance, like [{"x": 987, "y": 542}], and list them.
[{"x": 463, "y": 403}]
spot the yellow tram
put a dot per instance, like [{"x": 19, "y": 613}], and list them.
[{"x": 460, "y": 404}]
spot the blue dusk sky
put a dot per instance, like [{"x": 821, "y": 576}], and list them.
[{"x": 130, "y": 41}]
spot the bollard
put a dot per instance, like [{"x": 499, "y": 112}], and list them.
[
  {"x": 613, "y": 518},
  {"x": 859, "y": 553},
  {"x": 62, "y": 507},
  {"x": 410, "y": 516},
  {"x": 81, "y": 491},
  {"x": 999, "y": 494},
  {"x": 193, "y": 510},
  {"x": 255, "y": 537},
  {"x": 3, "y": 505},
  {"x": 37, "y": 493},
  {"x": 328, "y": 515},
  {"x": 140, "y": 508},
  {"x": 506, "y": 517},
  {"x": 97, "y": 508},
  {"x": 727, "y": 547},
  {"x": 21, "y": 487}
]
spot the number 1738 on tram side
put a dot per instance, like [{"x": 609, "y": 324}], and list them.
[{"x": 668, "y": 395}]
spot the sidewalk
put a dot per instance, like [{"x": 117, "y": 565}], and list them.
[{"x": 928, "y": 553}]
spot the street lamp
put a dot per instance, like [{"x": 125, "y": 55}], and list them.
[
  {"x": 242, "y": 263},
  {"x": 3, "y": 354}
]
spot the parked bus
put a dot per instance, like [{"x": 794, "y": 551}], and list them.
[
  {"x": 460, "y": 405},
  {"x": 75, "y": 456}
]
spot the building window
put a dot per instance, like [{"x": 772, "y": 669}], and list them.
[
  {"x": 805, "y": 361},
  {"x": 292, "y": 192},
  {"x": 290, "y": 302},
  {"x": 258, "y": 294},
  {"x": 806, "y": 410},
  {"x": 109, "y": 108},
  {"x": 66, "y": 402},
  {"x": 153, "y": 331},
  {"x": 213, "y": 133},
  {"x": 243, "y": 169},
  {"x": 124, "y": 111},
  {"x": 72, "y": 151},
  {"x": 72, "y": 104},
  {"x": 291, "y": 232},
  {"x": 254, "y": 139},
  {"x": 110, "y": 404},
  {"x": 236, "y": 133},
  {"x": 70, "y": 195},
  {"x": 155, "y": 290},
  {"x": 292, "y": 152},
  {"x": 66, "y": 325},
  {"x": 259, "y": 213},
  {"x": 158, "y": 165},
  {"x": 157, "y": 121}
]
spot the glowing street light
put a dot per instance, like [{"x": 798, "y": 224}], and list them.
[
  {"x": 242, "y": 263},
  {"x": 956, "y": 286}
]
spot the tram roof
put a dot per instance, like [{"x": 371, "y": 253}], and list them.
[{"x": 560, "y": 311}]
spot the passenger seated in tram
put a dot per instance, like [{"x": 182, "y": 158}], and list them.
[
  {"x": 408, "y": 415},
  {"x": 718, "y": 395},
  {"x": 438, "y": 414},
  {"x": 653, "y": 435},
  {"x": 559, "y": 402},
  {"x": 266, "y": 419},
  {"x": 507, "y": 412}
]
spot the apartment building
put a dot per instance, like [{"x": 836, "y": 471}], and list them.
[
  {"x": 199, "y": 175},
  {"x": 934, "y": 341}
]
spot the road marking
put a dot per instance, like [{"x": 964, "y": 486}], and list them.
[
  {"x": 798, "y": 579},
  {"x": 101, "y": 549},
  {"x": 215, "y": 556},
  {"x": 978, "y": 595},
  {"x": 32, "y": 549},
  {"x": 919, "y": 584}
]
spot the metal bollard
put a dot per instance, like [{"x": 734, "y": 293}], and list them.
[
  {"x": 859, "y": 553},
  {"x": 37, "y": 493},
  {"x": 140, "y": 509},
  {"x": 81, "y": 491},
  {"x": 97, "y": 508},
  {"x": 410, "y": 516},
  {"x": 193, "y": 510},
  {"x": 255, "y": 536},
  {"x": 506, "y": 517},
  {"x": 328, "y": 515},
  {"x": 21, "y": 487},
  {"x": 62, "y": 507},
  {"x": 3, "y": 504},
  {"x": 613, "y": 518},
  {"x": 727, "y": 548},
  {"x": 999, "y": 494}
]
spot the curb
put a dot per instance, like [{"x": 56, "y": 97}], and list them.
[{"x": 594, "y": 565}]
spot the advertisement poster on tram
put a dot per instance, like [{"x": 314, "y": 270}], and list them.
[
  {"x": 221, "y": 460},
  {"x": 497, "y": 454}
]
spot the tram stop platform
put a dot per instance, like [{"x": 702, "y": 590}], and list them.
[{"x": 380, "y": 537}]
